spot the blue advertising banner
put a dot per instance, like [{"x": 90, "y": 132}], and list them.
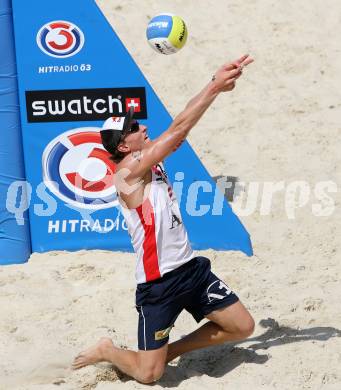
[
  {"x": 14, "y": 230},
  {"x": 74, "y": 73}
]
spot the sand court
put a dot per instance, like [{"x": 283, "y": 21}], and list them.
[{"x": 280, "y": 125}]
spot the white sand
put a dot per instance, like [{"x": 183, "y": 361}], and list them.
[{"x": 280, "y": 124}]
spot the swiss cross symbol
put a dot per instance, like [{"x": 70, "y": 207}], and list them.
[{"x": 133, "y": 102}]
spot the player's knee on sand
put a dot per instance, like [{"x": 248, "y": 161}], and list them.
[
  {"x": 246, "y": 327},
  {"x": 152, "y": 374},
  {"x": 243, "y": 327}
]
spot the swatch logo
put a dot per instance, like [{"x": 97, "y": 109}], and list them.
[{"x": 69, "y": 105}]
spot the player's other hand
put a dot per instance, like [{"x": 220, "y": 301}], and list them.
[{"x": 225, "y": 77}]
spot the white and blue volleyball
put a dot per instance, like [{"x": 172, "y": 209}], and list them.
[{"x": 167, "y": 33}]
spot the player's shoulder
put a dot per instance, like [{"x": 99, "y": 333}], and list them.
[
  {"x": 130, "y": 168},
  {"x": 128, "y": 162}
]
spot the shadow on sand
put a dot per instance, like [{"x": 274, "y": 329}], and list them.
[{"x": 218, "y": 361}]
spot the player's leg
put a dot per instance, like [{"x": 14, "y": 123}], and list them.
[
  {"x": 144, "y": 366},
  {"x": 232, "y": 323},
  {"x": 213, "y": 299},
  {"x": 235, "y": 320}
]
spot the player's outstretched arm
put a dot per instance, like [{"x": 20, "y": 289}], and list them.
[{"x": 222, "y": 81}]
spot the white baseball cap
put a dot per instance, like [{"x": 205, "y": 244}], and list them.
[{"x": 114, "y": 128}]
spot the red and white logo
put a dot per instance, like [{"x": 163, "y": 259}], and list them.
[
  {"x": 60, "y": 39},
  {"x": 77, "y": 169},
  {"x": 133, "y": 102}
]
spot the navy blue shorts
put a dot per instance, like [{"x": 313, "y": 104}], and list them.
[{"x": 192, "y": 287}]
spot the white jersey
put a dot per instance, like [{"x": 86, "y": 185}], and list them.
[{"x": 156, "y": 230}]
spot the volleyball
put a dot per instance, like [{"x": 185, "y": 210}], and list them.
[{"x": 166, "y": 33}]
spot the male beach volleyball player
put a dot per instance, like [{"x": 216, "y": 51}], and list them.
[{"x": 169, "y": 277}]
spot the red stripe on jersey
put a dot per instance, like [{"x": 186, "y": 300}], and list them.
[
  {"x": 170, "y": 192},
  {"x": 150, "y": 257}
]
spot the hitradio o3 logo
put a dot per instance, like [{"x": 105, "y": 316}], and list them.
[
  {"x": 76, "y": 168},
  {"x": 60, "y": 39}
]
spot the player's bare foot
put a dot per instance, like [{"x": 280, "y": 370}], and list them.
[{"x": 95, "y": 354}]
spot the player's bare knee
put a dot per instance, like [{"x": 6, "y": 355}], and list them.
[
  {"x": 146, "y": 378},
  {"x": 247, "y": 327},
  {"x": 151, "y": 375}
]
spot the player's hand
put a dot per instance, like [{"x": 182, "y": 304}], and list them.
[{"x": 225, "y": 77}]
